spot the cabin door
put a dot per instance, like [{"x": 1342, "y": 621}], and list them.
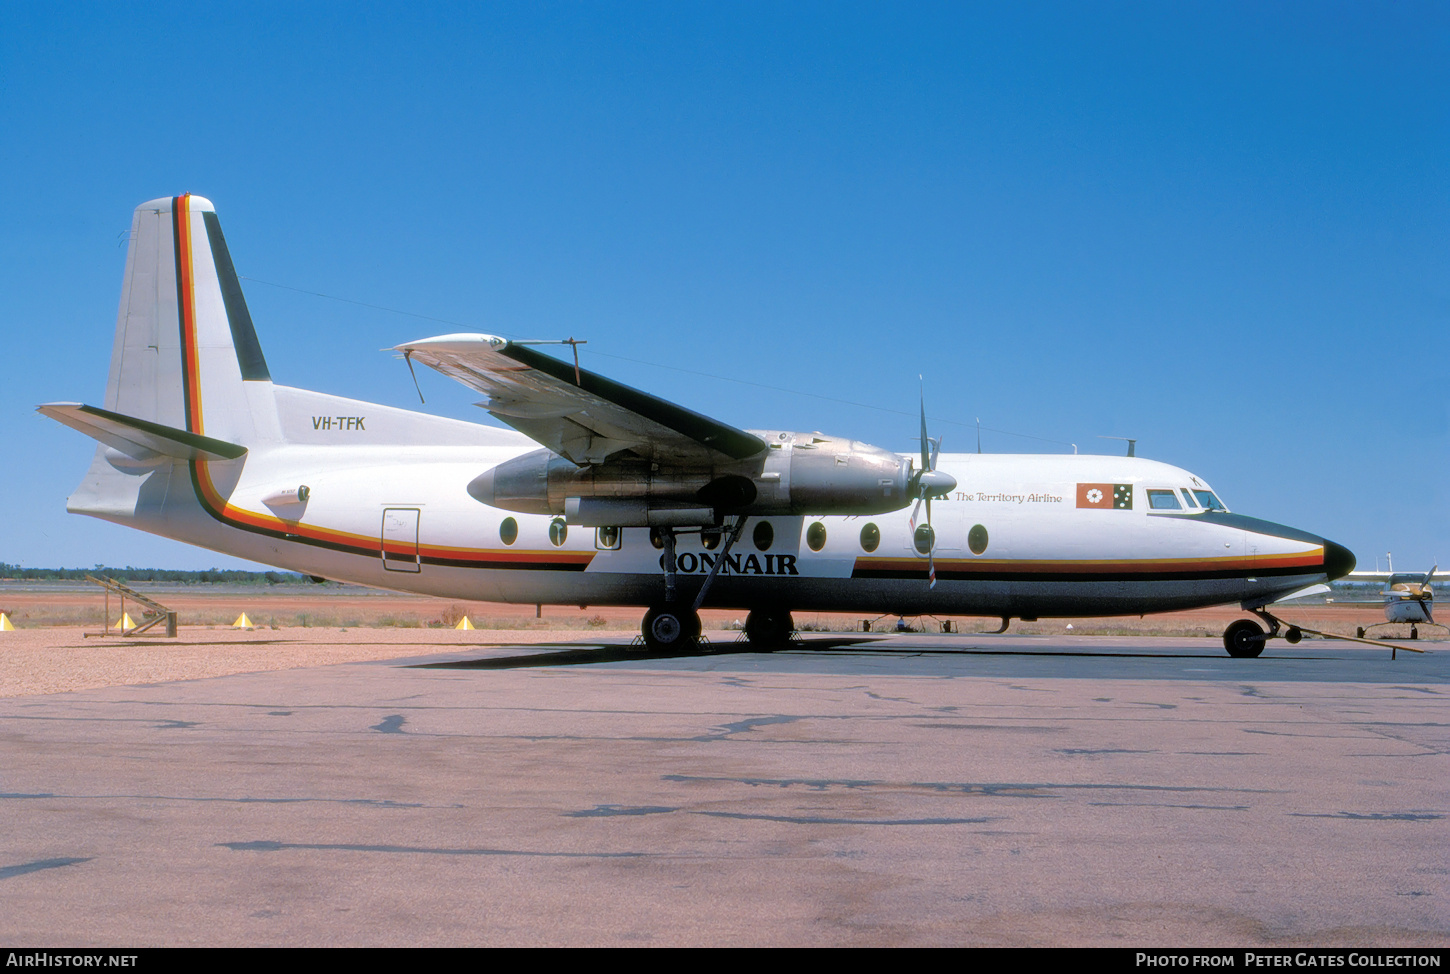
[{"x": 400, "y": 540}]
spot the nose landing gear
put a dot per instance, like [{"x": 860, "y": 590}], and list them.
[{"x": 1245, "y": 638}]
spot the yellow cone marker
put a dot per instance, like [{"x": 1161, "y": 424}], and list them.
[
  {"x": 464, "y": 624},
  {"x": 243, "y": 622},
  {"x": 124, "y": 622},
  {"x": 5, "y": 624}
]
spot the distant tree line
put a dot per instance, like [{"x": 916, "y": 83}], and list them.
[{"x": 130, "y": 574}]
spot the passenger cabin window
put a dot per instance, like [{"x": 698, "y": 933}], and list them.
[
  {"x": 1206, "y": 498},
  {"x": 1163, "y": 500}
]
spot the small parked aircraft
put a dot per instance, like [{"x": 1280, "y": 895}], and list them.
[
  {"x": 1408, "y": 598},
  {"x": 605, "y": 495}
]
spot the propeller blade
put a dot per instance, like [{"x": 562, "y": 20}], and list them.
[
  {"x": 929, "y": 484},
  {"x": 925, "y": 463}
]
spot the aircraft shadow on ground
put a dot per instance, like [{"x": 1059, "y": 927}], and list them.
[{"x": 583, "y": 654}]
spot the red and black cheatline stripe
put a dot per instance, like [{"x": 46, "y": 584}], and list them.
[
  {"x": 1166, "y": 570},
  {"x": 266, "y": 525},
  {"x": 1333, "y": 560}
]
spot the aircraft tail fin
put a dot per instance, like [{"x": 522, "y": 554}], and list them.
[{"x": 185, "y": 349}]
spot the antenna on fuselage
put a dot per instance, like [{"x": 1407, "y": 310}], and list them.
[{"x": 1132, "y": 442}]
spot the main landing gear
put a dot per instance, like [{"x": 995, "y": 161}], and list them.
[
  {"x": 670, "y": 627},
  {"x": 1363, "y": 631},
  {"x": 769, "y": 628},
  {"x": 1245, "y": 638}
]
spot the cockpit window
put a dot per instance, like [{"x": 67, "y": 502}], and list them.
[
  {"x": 1163, "y": 500},
  {"x": 1187, "y": 496},
  {"x": 1206, "y": 498}
]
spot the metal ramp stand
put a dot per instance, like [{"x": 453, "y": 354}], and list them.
[{"x": 156, "y": 612}]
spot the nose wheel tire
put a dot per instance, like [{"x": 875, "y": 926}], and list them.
[
  {"x": 769, "y": 627},
  {"x": 666, "y": 630},
  {"x": 1244, "y": 639}
]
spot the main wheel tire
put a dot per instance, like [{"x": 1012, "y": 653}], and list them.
[
  {"x": 1244, "y": 639},
  {"x": 668, "y": 630},
  {"x": 1293, "y": 635},
  {"x": 1414, "y": 632},
  {"x": 767, "y": 628},
  {"x": 1359, "y": 631}
]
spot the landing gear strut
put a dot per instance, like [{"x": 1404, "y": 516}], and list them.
[
  {"x": 669, "y": 627},
  {"x": 1363, "y": 631}
]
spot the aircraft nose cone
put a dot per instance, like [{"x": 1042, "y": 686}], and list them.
[
  {"x": 1338, "y": 560},
  {"x": 938, "y": 483}
]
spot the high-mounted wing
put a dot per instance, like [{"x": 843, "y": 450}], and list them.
[{"x": 579, "y": 415}]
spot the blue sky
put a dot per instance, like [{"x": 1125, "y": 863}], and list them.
[{"x": 1221, "y": 228}]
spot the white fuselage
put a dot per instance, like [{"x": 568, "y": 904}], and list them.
[
  {"x": 1012, "y": 539},
  {"x": 1401, "y": 607}
]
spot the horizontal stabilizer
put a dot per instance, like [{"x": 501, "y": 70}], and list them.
[{"x": 139, "y": 438}]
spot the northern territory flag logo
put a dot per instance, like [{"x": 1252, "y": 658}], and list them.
[{"x": 1106, "y": 496}]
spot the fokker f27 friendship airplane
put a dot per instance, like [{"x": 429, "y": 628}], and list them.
[{"x": 631, "y": 500}]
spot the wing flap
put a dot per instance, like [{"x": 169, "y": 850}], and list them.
[{"x": 581, "y": 416}]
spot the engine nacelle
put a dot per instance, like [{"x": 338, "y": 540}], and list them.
[{"x": 797, "y": 473}]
